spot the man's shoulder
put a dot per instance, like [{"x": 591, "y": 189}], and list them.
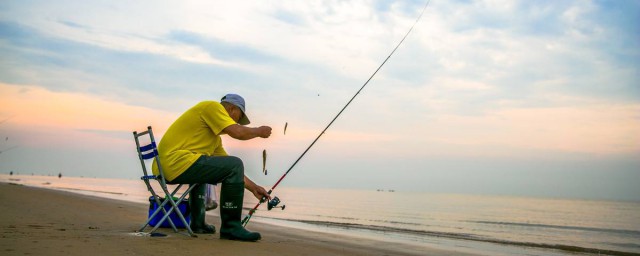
[{"x": 214, "y": 114}]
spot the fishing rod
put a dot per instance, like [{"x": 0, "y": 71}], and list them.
[{"x": 275, "y": 201}]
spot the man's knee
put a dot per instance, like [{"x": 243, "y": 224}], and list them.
[
  {"x": 237, "y": 165},
  {"x": 236, "y": 162}
]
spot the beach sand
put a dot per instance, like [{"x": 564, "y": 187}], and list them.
[{"x": 37, "y": 221}]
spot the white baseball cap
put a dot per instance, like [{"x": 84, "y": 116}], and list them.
[{"x": 237, "y": 101}]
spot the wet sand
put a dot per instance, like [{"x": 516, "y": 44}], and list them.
[{"x": 38, "y": 221}]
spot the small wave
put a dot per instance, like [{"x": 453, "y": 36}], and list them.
[
  {"x": 463, "y": 236},
  {"x": 333, "y": 217},
  {"x": 369, "y": 220},
  {"x": 398, "y": 222},
  {"x": 604, "y": 230},
  {"x": 89, "y": 190},
  {"x": 629, "y": 245}
]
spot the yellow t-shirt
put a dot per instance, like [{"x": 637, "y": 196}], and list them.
[{"x": 195, "y": 133}]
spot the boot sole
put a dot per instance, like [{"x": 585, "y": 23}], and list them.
[
  {"x": 204, "y": 230},
  {"x": 233, "y": 238}
]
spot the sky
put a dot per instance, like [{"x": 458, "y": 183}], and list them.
[{"x": 515, "y": 98}]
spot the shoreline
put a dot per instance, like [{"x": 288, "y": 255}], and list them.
[{"x": 40, "y": 220}]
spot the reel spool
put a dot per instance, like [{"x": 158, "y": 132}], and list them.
[{"x": 274, "y": 204}]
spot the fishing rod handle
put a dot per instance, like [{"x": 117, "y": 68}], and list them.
[
  {"x": 264, "y": 198},
  {"x": 246, "y": 219}
]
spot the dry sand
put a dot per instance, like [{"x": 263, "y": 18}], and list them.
[{"x": 37, "y": 221}]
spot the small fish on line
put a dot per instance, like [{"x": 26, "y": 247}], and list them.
[{"x": 264, "y": 161}]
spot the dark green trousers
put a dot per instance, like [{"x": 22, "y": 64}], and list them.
[
  {"x": 213, "y": 170},
  {"x": 209, "y": 170}
]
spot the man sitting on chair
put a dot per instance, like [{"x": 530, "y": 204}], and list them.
[{"x": 191, "y": 152}]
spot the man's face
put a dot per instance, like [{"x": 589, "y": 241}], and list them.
[{"x": 236, "y": 114}]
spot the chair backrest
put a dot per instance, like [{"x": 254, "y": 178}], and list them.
[{"x": 148, "y": 152}]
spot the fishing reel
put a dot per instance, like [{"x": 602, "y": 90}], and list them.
[{"x": 273, "y": 203}]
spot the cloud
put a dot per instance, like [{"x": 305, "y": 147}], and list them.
[{"x": 34, "y": 106}]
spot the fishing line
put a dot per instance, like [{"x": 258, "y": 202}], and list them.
[{"x": 275, "y": 201}]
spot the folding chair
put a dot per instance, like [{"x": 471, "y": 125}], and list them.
[{"x": 149, "y": 152}]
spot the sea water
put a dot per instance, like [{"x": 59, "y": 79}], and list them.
[{"x": 491, "y": 225}]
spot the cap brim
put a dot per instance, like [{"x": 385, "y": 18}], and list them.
[{"x": 244, "y": 120}]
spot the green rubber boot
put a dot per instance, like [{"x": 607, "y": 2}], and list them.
[
  {"x": 197, "y": 205},
  {"x": 231, "y": 197}
]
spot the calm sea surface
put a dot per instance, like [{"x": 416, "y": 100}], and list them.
[{"x": 491, "y": 225}]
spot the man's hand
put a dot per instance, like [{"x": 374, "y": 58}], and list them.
[
  {"x": 260, "y": 193},
  {"x": 264, "y": 131}
]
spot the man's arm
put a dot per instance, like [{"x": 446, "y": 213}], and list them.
[
  {"x": 240, "y": 132},
  {"x": 257, "y": 191}
]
